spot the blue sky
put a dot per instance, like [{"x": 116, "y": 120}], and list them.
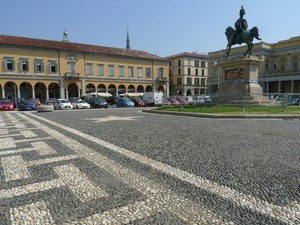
[{"x": 162, "y": 27}]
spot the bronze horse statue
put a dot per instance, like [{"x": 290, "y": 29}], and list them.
[{"x": 245, "y": 36}]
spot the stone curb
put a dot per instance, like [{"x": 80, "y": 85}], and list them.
[{"x": 227, "y": 116}]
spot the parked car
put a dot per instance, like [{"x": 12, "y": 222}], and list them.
[
  {"x": 26, "y": 105},
  {"x": 36, "y": 101},
  {"x": 81, "y": 104},
  {"x": 138, "y": 102},
  {"x": 287, "y": 101},
  {"x": 182, "y": 100},
  {"x": 124, "y": 102},
  {"x": 112, "y": 99},
  {"x": 202, "y": 99},
  {"x": 73, "y": 99},
  {"x": 189, "y": 99},
  {"x": 17, "y": 101},
  {"x": 6, "y": 105},
  {"x": 50, "y": 101},
  {"x": 173, "y": 101},
  {"x": 97, "y": 102},
  {"x": 62, "y": 104}
]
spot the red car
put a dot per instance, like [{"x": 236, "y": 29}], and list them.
[
  {"x": 173, "y": 101},
  {"x": 182, "y": 100},
  {"x": 6, "y": 105},
  {"x": 138, "y": 102},
  {"x": 36, "y": 101}
]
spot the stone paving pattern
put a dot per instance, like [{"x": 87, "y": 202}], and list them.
[{"x": 122, "y": 166}]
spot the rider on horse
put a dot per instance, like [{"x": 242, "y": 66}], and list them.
[{"x": 240, "y": 24}]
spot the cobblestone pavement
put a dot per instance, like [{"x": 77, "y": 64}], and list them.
[{"x": 122, "y": 166}]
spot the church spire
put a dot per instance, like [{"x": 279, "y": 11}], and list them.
[{"x": 127, "y": 40}]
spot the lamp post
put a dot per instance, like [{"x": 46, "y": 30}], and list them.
[{"x": 216, "y": 64}]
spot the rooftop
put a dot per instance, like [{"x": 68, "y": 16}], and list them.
[{"x": 71, "y": 46}]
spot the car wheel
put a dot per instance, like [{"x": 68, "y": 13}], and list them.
[{"x": 76, "y": 106}]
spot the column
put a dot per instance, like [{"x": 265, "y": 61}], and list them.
[
  {"x": 62, "y": 88},
  {"x": 3, "y": 93},
  {"x": 79, "y": 92},
  {"x": 18, "y": 93},
  {"x": 168, "y": 89},
  {"x": 33, "y": 93},
  {"x": 267, "y": 87},
  {"x": 292, "y": 86},
  {"x": 279, "y": 87},
  {"x": 67, "y": 94},
  {"x": 83, "y": 86},
  {"x": 47, "y": 93}
]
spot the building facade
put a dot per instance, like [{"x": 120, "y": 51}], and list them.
[
  {"x": 35, "y": 68},
  {"x": 278, "y": 73},
  {"x": 188, "y": 74}
]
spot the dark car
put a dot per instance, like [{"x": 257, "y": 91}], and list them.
[
  {"x": 97, "y": 102},
  {"x": 17, "y": 101},
  {"x": 27, "y": 105},
  {"x": 112, "y": 99}
]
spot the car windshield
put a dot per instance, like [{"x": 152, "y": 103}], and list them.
[
  {"x": 80, "y": 101},
  {"x": 64, "y": 101},
  {"x": 28, "y": 102},
  {"x": 5, "y": 102}
]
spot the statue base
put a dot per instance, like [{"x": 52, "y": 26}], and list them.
[{"x": 239, "y": 79}]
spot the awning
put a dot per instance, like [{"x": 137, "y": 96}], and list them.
[
  {"x": 101, "y": 94},
  {"x": 132, "y": 94}
]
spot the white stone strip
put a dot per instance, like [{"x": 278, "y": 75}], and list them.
[
  {"x": 14, "y": 168},
  {"x": 18, "y": 151},
  {"x": 286, "y": 214},
  {"x": 123, "y": 215},
  {"x": 3, "y": 131},
  {"x": 10, "y": 135},
  {"x": 160, "y": 196},
  {"x": 79, "y": 183},
  {"x": 28, "y": 134},
  {"x": 33, "y": 139},
  {"x": 2, "y": 124},
  {"x": 31, "y": 214},
  {"x": 30, "y": 188},
  {"x": 7, "y": 143},
  {"x": 20, "y": 125},
  {"x": 52, "y": 160},
  {"x": 43, "y": 148}
]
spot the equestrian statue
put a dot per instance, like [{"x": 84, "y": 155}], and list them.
[{"x": 241, "y": 34}]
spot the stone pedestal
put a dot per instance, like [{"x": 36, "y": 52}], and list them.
[{"x": 239, "y": 79}]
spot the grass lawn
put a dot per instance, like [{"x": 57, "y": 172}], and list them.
[{"x": 234, "y": 109}]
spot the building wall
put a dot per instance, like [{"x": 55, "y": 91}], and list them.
[
  {"x": 184, "y": 83},
  {"x": 278, "y": 73},
  {"x": 17, "y": 83}
]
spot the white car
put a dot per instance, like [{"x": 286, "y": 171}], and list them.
[
  {"x": 62, "y": 104},
  {"x": 81, "y": 104}
]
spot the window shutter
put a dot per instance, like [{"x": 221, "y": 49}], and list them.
[
  {"x": 5, "y": 64},
  {"x": 42, "y": 67},
  {"x": 56, "y": 67},
  {"x": 13, "y": 64},
  {"x": 35, "y": 67}
]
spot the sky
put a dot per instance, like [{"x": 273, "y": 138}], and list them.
[{"x": 160, "y": 27}]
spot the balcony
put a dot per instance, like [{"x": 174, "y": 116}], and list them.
[
  {"x": 161, "y": 79},
  {"x": 71, "y": 76}
]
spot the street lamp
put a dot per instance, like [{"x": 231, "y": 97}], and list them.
[{"x": 218, "y": 74}]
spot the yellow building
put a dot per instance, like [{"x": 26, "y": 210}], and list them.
[
  {"x": 278, "y": 73},
  {"x": 35, "y": 68},
  {"x": 188, "y": 74}
]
